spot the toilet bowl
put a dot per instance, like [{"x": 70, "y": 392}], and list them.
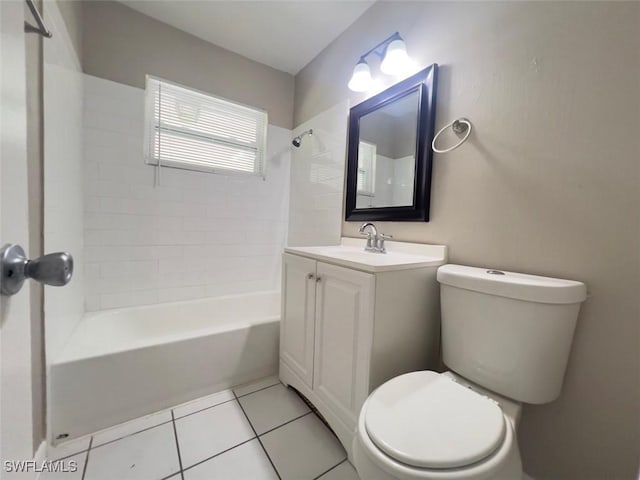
[
  {"x": 426, "y": 425},
  {"x": 507, "y": 337}
]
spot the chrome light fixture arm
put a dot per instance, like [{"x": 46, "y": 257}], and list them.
[
  {"x": 392, "y": 46},
  {"x": 381, "y": 51}
]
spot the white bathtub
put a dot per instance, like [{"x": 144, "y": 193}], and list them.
[{"x": 121, "y": 364}]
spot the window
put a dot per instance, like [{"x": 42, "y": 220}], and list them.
[
  {"x": 192, "y": 130},
  {"x": 366, "y": 169}
]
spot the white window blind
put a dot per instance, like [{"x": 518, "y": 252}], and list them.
[
  {"x": 366, "y": 169},
  {"x": 192, "y": 130}
]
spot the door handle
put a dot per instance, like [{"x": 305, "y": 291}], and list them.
[{"x": 53, "y": 269}]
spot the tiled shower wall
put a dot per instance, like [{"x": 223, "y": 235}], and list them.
[
  {"x": 317, "y": 179},
  {"x": 195, "y": 235},
  {"x": 63, "y": 206}
]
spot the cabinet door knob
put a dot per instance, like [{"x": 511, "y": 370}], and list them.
[
  {"x": 318, "y": 279},
  {"x": 310, "y": 276}
]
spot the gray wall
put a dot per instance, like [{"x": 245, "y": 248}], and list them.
[
  {"x": 547, "y": 184},
  {"x": 123, "y": 45},
  {"x": 71, "y": 11}
]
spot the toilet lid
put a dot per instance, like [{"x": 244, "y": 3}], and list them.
[{"x": 427, "y": 420}]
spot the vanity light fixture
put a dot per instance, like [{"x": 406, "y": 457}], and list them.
[
  {"x": 361, "y": 79},
  {"x": 395, "y": 61}
]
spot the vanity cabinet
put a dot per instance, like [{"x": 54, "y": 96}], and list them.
[
  {"x": 347, "y": 329},
  {"x": 297, "y": 323},
  {"x": 325, "y": 331}
]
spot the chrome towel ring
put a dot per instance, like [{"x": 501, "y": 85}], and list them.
[{"x": 459, "y": 126}]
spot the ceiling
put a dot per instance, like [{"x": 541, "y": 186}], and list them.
[{"x": 285, "y": 35}]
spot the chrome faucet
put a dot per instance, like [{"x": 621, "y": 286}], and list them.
[
  {"x": 371, "y": 234},
  {"x": 375, "y": 241}
]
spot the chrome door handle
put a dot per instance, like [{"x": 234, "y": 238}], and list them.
[{"x": 54, "y": 269}]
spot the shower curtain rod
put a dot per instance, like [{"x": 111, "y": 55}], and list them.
[{"x": 41, "y": 29}]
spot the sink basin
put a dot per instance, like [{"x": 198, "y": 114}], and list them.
[{"x": 400, "y": 255}]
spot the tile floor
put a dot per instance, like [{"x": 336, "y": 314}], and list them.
[{"x": 256, "y": 431}]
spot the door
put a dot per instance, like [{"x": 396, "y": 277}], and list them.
[
  {"x": 344, "y": 331},
  {"x": 16, "y": 422},
  {"x": 297, "y": 323}
]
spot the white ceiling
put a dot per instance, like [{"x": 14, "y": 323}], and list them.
[{"x": 285, "y": 35}]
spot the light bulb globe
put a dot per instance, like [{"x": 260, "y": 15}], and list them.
[
  {"x": 361, "y": 80},
  {"x": 396, "y": 61}
]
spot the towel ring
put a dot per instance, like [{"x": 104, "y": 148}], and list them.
[{"x": 459, "y": 126}]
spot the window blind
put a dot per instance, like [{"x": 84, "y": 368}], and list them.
[
  {"x": 192, "y": 130},
  {"x": 366, "y": 169}
]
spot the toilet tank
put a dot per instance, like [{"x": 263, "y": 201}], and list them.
[{"x": 508, "y": 332}]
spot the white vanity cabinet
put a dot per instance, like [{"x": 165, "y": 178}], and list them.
[
  {"x": 352, "y": 320},
  {"x": 326, "y": 330},
  {"x": 297, "y": 322}
]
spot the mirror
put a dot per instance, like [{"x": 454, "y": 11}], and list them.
[{"x": 389, "y": 154}]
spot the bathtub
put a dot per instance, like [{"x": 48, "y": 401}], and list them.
[{"x": 121, "y": 364}]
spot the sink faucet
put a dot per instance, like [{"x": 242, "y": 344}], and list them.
[
  {"x": 375, "y": 241},
  {"x": 372, "y": 236}
]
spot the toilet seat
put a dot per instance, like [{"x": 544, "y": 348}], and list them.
[{"x": 426, "y": 420}]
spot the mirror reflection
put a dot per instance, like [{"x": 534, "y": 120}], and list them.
[{"x": 387, "y": 154}]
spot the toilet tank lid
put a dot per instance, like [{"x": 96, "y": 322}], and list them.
[{"x": 519, "y": 286}]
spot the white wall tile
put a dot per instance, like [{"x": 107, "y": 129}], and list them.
[
  {"x": 63, "y": 182},
  {"x": 92, "y": 302},
  {"x": 175, "y": 294},
  {"x": 120, "y": 269},
  {"x": 128, "y": 299},
  {"x": 317, "y": 178},
  {"x": 91, "y": 270},
  {"x": 194, "y": 235}
]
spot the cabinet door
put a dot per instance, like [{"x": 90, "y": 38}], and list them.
[
  {"x": 344, "y": 324},
  {"x": 298, "y": 313}
]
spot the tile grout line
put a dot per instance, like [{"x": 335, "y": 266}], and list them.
[
  {"x": 218, "y": 454},
  {"x": 175, "y": 435},
  {"x": 83, "y": 450},
  {"x": 286, "y": 423},
  {"x": 258, "y": 437},
  {"x": 86, "y": 459},
  {"x": 71, "y": 454},
  {"x": 130, "y": 434},
  {"x": 314, "y": 409},
  {"x": 172, "y": 475},
  {"x": 317, "y": 414},
  {"x": 172, "y": 421},
  {"x": 258, "y": 390},
  {"x": 149, "y": 428},
  {"x": 202, "y": 409},
  {"x": 332, "y": 468}
]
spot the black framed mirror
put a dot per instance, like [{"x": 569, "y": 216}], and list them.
[{"x": 389, "y": 152}]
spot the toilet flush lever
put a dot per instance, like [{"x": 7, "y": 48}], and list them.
[
  {"x": 495, "y": 272},
  {"x": 54, "y": 269}
]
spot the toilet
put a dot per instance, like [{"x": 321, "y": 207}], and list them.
[{"x": 506, "y": 339}]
